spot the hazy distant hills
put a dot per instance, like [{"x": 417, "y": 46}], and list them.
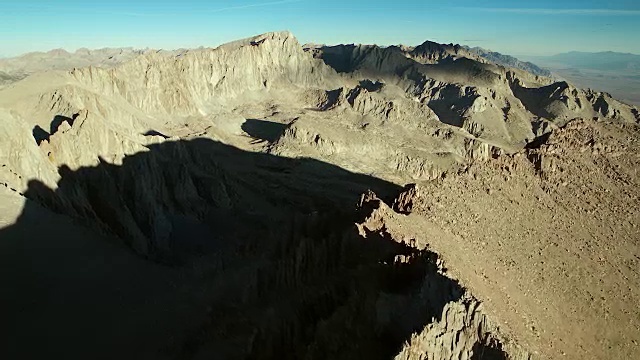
[
  {"x": 613, "y": 72},
  {"x": 7, "y": 78},
  {"x": 607, "y": 61},
  {"x": 17, "y": 68}
]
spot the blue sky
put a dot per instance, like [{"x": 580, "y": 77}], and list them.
[{"x": 519, "y": 27}]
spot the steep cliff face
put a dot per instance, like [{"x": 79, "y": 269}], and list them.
[{"x": 187, "y": 84}]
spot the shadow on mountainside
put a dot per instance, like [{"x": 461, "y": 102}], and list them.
[
  {"x": 390, "y": 63},
  {"x": 248, "y": 255},
  {"x": 40, "y": 134},
  {"x": 58, "y": 120},
  {"x": 536, "y": 100},
  {"x": 265, "y": 130},
  {"x": 371, "y": 61}
]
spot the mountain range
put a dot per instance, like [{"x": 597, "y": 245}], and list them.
[
  {"x": 266, "y": 199},
  {"x": 507, "y": 60},
  {"x": 606, "y": 61}
]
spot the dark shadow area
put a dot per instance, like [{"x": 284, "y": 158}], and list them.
[
  {"x": 265, "y": 130},
  {"x": 464, "y": 71},
  {"x": 155, "y": 133},
  {"x": 430, "y": 47},
  {"x": 141, "y": 200},
  {"x": 536, "y": 100},
  {"x": 451, "y": 104},
  {"x": 371, "y": 86},
  {"x": 58, "y": 120},
  {"x": 538, "y": 141},
  {"x": 371, "y": 61},
  {"x": 491, "y": 350},
  {"x": 332, "y": 100},
  {"x": 342, "y": 58},
  {"x": 196, "y": 249},
  {"x": 256, "y": 43},
  {"x": 450, "y": 112},
  {"x": 40, "y": 134},
  {"x": 389, "y": 63}
]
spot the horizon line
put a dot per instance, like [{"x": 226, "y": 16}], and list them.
[{"x": 71, "y": 51}]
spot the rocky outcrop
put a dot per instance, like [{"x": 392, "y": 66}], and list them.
[{"x": 460, "y": 329}]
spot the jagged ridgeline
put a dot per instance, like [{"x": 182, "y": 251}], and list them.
[
  {"x": 399, "y": 113},
  {"x": 260, "y": 172}
]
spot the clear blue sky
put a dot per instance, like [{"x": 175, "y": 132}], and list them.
[{"x": 519, "y": 27}]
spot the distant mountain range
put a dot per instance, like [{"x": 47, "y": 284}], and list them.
[
  {"x": 613, "y": 72},
  {"x": 626, "y": 63},
  {"x": 17, "y": 68},
  {"x": 607, "y": 61},
  {"x": 507, "y": 60},
  {"x": 8, "y": 78}
]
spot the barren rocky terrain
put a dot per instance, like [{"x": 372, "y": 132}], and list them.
[{"x": 266, "y": 199}]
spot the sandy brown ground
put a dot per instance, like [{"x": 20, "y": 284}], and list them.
[{"x": 554, "y": 254}]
